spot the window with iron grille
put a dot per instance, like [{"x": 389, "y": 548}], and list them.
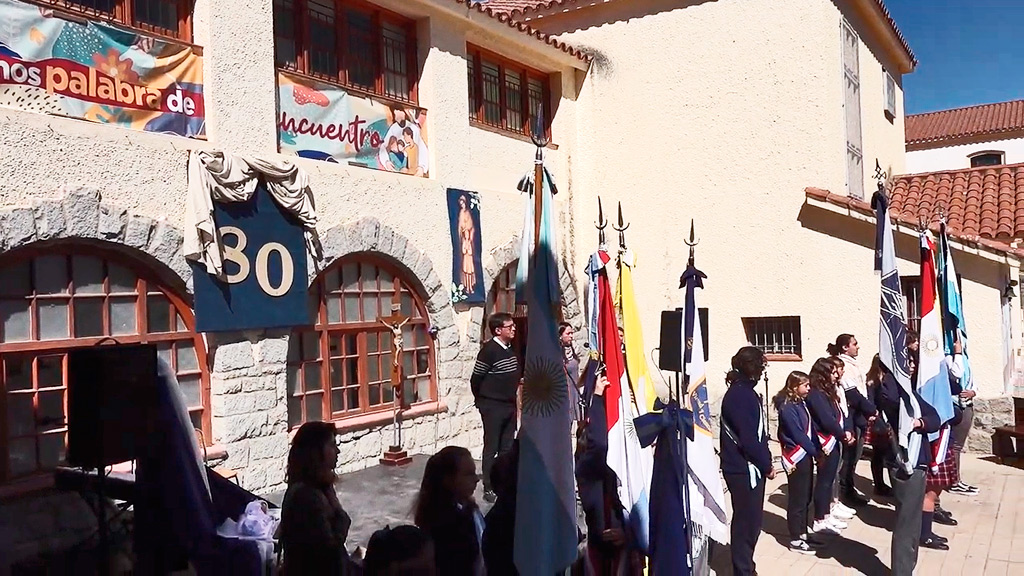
[
  {"x": 350, "y": 43},
  {"x": 171, "y": 18},
  {"x": 71, "y": 296},
  {"x": 777, "y": 336},
  {"x": 506, "y": 95},
  {"x": 341, "y": 366}
]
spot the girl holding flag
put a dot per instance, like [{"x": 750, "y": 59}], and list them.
[{"x": 799, "y": 448}]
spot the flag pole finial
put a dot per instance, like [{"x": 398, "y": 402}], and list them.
[
  {"x": 692, "y": 242},
  {"x": 621, "y": 228},
  {"x": 881, "y": 177},
  {"x": 601, "y": 224}
]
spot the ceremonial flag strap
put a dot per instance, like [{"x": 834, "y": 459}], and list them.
[{"x": 828, "y": 442}]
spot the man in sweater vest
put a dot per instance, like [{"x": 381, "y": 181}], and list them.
[{"x": 494, "y": 383}]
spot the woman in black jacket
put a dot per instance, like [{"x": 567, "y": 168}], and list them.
[
  {"x": 833, "y": 429},
  {"x": 445, "y": 510},
  {"x": 314, "y": 526}
]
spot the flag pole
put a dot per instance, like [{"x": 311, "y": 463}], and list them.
[
  {"x": 692, "y": 243},
  {"x": 539, "y": 137}
]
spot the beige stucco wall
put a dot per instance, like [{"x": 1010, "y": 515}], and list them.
[
  {"x": 733, "y": 125},
  {"x": 146, "y": 174}
]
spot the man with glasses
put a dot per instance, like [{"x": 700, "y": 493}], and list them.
[{"x": 495, "y": 383}]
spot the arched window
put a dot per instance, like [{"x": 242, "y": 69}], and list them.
[
  {"x": 341, "y": 367},
  {"x": 70, "y": 296},
  {"x": 986, "y": 158}
]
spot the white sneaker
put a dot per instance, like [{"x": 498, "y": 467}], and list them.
[
  {"x": 839, "y": 511},
  {"x": 824, "y": 527},
  {"x": 837, "y": 523}
]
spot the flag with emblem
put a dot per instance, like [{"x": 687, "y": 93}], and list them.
[
  {"x": 545, "y": 535},
  {"x": 631, "y": 463},
  {"x": 892, "y": 333},
  {"x": 932, "y": 374},
  {"x": 706, "y": 496},
  {"x": 636, "y": 359}
]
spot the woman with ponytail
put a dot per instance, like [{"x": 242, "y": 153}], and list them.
[
  {"x": 861, "y": 411},
  {"x": 746, "y": 460}
]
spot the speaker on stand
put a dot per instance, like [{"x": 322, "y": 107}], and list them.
[{"x": 112, "y": 392}]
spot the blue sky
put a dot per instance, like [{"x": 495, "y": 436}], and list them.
[{"x": 970, "y": 51}]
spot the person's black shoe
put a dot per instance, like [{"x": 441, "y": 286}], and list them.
[
  {"x": 944, "y": 518},
  {"x": 855, "y": 500},
  {"x": 934, "y": 544},
  {"x": 490, "y": 496},
  {"x": 883, "y": 491},
  {"x": 940, "y": 539}
]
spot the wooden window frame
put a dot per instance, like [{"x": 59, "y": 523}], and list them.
[
  {"x": 124, "y": 16},
  {"x": 379, "y": 16},
  {"x": 778, "y": 351},
  {"x": 147, "y": 283},
  {"x": 475, "y": 56},
  {"x": 323, "y": 330}
]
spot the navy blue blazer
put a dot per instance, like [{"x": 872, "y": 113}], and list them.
[
  {"x": 742, "y": 413},
  {"x": 793, "y": 424},
  {"x": 828, "y": 418},
  {"x": 887, "y": 397}
]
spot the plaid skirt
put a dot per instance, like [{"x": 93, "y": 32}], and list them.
[{"x": 947, "y": 474}]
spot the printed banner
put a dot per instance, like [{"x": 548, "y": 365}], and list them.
[
  {"x": 324, "y": 122},
  {"x": 467, "y": 272},
  {"x": 265, "y": 284},
  {"x": 98, "y": 72}
]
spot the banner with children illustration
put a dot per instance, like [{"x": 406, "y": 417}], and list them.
[
  {"x": 467, "y": 271},
  {"x": 98, "y": 72},
  {"x": 325, "y": 122}
]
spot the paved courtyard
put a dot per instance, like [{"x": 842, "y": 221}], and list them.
[{"x": 989, "y": 541}]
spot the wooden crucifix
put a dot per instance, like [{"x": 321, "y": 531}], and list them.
[{"x": 395, "y": 456}]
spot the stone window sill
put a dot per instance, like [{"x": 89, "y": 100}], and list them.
[{"x": 364, "y": 421}]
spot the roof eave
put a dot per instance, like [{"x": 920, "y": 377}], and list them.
[
  {"x": 514, "y": 30},
  {"x": 991, "y": 250}
]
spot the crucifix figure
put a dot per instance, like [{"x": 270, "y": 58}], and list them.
[{"x": 395, "y": 322}]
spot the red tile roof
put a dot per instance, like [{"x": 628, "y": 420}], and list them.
[
  {"x": 502, "y": 16},
  {"x": 959, "y": 123},
  {"x": 522, "y": 8},
  {"x": 983, "y": 206}
]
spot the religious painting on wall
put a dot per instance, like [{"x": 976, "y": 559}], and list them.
[
  {"x": 324, "y": 122},
  {"x": 98, "y": 72},
  {"x": 467, "y": 270}
]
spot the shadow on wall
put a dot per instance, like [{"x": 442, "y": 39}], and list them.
[
  {"x": 976, "y": 269},
  {"x": 594, "y": 14}
]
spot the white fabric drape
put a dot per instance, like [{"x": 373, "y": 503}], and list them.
[{"x": 218, "y": 177}]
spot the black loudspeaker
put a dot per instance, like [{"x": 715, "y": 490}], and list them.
[
  {"x": 112, "y": 398},
  {"x": 670, "y": 348}
]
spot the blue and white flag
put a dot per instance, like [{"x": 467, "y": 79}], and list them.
[
  {"x": 545, "y": 536},
  {"x": 707, "y": 499},
  {"x": 932, "y": 373},
  {"x": 892, "y": 332},
  {"x": 953, "y": 308}
]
